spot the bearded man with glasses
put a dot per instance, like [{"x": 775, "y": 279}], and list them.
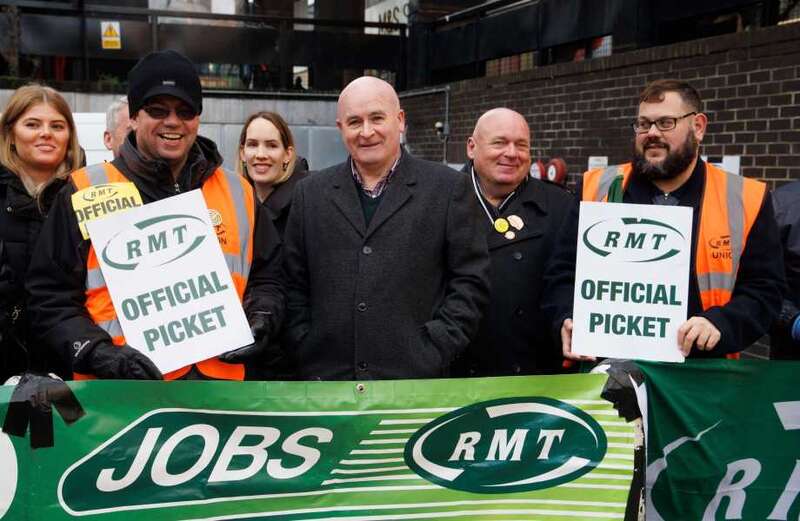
[
  {"x": 161, "y": 156},
  {"x": 736, "y": 270}
]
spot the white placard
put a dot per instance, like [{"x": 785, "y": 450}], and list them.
[
  {"x": 731, "y": 164},
  {"x": 90, "y": 127},
  {"x": 631, "y": 280},
  {"x": 168, "y": 280},
  {"x": 597, "y": 162}
]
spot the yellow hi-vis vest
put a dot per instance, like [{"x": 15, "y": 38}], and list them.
[{"x": 227, "y": 193}]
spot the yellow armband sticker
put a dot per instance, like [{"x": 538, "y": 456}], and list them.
[{"x": 97, "y": 201}]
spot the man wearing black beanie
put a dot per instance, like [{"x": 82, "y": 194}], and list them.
[{"x": 162, "y": 156}]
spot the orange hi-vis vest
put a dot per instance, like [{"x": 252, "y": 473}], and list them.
[
  {"x": 728, "y": 210},
  {"x": 226, "y": 194}
]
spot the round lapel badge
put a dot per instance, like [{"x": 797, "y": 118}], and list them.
[
  {"x": 501, "y": 225},
  {"x": 216, "y": 217}
]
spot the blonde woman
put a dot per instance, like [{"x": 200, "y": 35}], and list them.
[
  {"x": 38, "y": 149},
  {"x": 269, "y": 160}
]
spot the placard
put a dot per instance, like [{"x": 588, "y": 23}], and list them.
[
  {"x": 631, "y": 280},
  {"x": 597, "y": 162},
  {"x": 168, "y": 280}
]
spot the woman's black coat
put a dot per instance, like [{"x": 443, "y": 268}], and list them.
[
  {"x": 21, "y": 218},
  {"x": 278, "y": 204},
  {"x": 280, "y": 200}
]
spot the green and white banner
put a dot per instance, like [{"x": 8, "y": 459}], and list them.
[
  {"x": 544, "y": 448},
  {"x": 723, "y": 440}
]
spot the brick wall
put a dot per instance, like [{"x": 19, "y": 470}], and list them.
[{"x": 750, "y": 83}]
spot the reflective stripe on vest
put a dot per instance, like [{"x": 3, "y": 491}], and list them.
[
  {"x": 728, "y": 210},
  {"x": 231, "y": 195},
  {"x": 100, "y": 309},
  {"x": 596, "y": 182},
  {"x": 225, "y": 192}
]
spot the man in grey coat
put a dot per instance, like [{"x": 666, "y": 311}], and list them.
[{"x": 385, "y": 259}]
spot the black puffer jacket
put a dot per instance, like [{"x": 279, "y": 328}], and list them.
[{"x": 21, "y": 219}]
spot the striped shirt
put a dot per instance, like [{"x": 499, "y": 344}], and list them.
[{"x": 381, "y": 185}]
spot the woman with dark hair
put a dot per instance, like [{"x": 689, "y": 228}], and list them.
[
  {"x": 269, "y": 160},
  {"x": 38, "y": 149}
]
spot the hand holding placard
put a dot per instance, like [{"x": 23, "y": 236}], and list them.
[{"x": 700, "y": 332}]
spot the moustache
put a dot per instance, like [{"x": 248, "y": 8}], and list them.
[{"x": 654, "y": 142}]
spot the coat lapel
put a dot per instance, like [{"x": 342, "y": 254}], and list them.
[
  {"x": 530, "y": 206},
  {"x": 280, "y": 199},
  {"x": 397, "y": 194},
  {"x": 344, "y": 196}
]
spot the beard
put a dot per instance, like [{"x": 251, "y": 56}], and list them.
[{"x": 670, "y": 167}]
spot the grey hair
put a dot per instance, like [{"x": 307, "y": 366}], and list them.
[{"x": 113, "y": 110}]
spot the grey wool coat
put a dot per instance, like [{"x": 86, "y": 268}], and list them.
[{"x": 400, "y": 298}]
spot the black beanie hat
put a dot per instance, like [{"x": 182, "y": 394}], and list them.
[{"x": 164, "y": 72}]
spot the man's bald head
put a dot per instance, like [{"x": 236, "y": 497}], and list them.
[
  {"x": 367, "y": 86},
  {"x": 500, "y": 151},
  {"x": 499, "y": 116},
  {"x": 371, "y": 121}
]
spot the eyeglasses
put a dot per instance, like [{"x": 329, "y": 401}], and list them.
[
  {"x": 667, "y": 123},
  {"x": 159, "y": 112}
]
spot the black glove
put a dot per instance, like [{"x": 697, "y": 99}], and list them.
[
  {"x": 786, "y": 318},
  {"x": 31, "y": 405},
  {"x": 123, "y": 362},
  {"x": 259, "y": 325},
  {"x": 619, "y": 390}
]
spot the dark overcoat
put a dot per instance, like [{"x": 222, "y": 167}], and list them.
[
  {"x": 514, "y": 337},
  {"x": 786, "y": 201},
  {"x": 400, "y": 298}
]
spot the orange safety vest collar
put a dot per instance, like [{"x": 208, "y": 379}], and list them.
[{"x": 232, "y": 205}]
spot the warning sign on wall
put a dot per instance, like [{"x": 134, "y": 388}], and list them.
[{"x": 110, "y": 35}]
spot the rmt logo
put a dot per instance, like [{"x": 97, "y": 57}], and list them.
[
  {"x": 507, "y": 445},
  {"x": 720, "y": 247}
]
